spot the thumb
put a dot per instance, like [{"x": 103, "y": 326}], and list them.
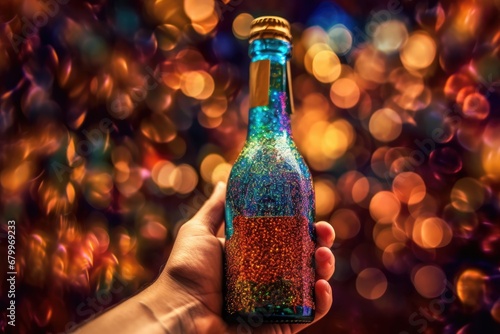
[{"x": 211, "y": 213}]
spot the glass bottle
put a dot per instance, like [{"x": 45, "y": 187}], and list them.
[{"x": 270, "y": 239}]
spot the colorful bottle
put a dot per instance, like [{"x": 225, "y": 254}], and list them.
[{"x": 270, "y": 238}]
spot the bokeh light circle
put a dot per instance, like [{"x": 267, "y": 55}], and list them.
[
  {"x": 476, "y": 106},
  {"x": 432, "y": 232},
  {"x": 429, "y": 281},
  {"x": 390, "y": 35},
  {"x": 326, "y": 66},
  {"x": 199, "y": 10},
  {"x": 345, "y": 93},
  {"x": 385, "y": 125},
  {"x": 326, "y": 196},
  {"x": 340, "y": 39},
  {"x": 471, "y": 288},
  {"x": 467, "y": 195},
  {"x": 384, "y": 207},
  {"x": 183, "y": 179},
  {"x": 197, "y": 84},
  {"x": 409, "y": 187},
  {"x": 167, "y": 36},
  {"x": 371, "y": 283},
  {"x": 241, "y": 25},
  {"x": 418, "y": 52},
  {"x": 346, "y": 223},
  {"x": 209, "y": 164}
]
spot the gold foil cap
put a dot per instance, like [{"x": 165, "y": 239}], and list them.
[{"x": 270, "y": 27}]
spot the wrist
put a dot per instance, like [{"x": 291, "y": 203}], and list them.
[
  {"x": 128, "y": 317},
  {"x": 177, "y": 310}
]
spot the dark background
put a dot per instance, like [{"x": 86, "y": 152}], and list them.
[{"x": 118, "y": 117}]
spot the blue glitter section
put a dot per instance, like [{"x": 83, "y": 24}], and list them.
[{"x": 270, "y": 177}]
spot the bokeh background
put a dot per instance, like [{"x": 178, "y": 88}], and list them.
[{"x": 118, "y": 117}]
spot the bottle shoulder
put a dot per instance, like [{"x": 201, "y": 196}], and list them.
[
  {"x": 271, "y": 155},
  {"x": 270, "y": 179}
]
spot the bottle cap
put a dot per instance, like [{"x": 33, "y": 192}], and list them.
[{"x": 270, "y": 27}]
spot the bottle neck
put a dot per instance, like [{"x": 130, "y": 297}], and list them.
[{"x": 270, "y": 98}]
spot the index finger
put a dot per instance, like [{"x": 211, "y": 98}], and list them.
[{"x": 211, "y": 213}]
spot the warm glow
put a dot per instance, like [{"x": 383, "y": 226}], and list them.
[
  {"x": 429, "y": 281},
  {"x": 199, "y": 10},
  {"x": 183, "y": 179},
  {"x": 345, "y": 93},
  {"x": 384, "y": 207},
  {"x": 491, "y": 134},
  {"x": 214, "y": 106},
  {"x": 467, "y": 195},
  {"x": 241, "y": 25},
  {"x": 159, "y": 128},
  {"x": 153, "y": 228},
  {"x": 207, "y": 25},
  {"x": 311, "y": 54},
  {"x": 385, "y": 125},
  {"x": 409, "y": 187},
  {"x": 371, "y": 283},
  {"x": 221, "y": 173},
  {"x": 427, "y": 206},
  {"x": 346, "y": 223},
  {"x": 209, "y": 163},
  {"x": 197, "y": 84},
  {"x": 313, "y": 35},
  {"x": 432, "y": 232},
  {"x": 383, "y": 236},
  {"x": 393, "y": 257},
  {"x": 360, "y": 189},
  {"x": 326, "y": 66},
  {"x": 454, "y": 84},
  {"x": 419, "y": 51},
  {"x": 16, "y": 177},
  {"x": 409, "y": 84},
  {"x": 161, "y": 173},
  {"x": 371, "y": 65},
  {"x": 389, "y": 36},
  {"x": 471, "y": 288},
  {"x": 337, "y": 138},
  {"x": 476, "y": 106},
  {"x": 326, "y": 196},
  {"x": 491, "y": 161},
  {"x": 167, "y": 36}
]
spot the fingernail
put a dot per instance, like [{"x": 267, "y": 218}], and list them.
[
  {"x": 220, "y": 185},
  {"x": 329, "y": 290}
]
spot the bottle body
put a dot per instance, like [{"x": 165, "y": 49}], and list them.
[
  {"x": 269, "y": 235},
  {"x": 270, "y": 239}
]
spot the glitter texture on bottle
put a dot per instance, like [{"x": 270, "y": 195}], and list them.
[{"x": 270, "y": 238}]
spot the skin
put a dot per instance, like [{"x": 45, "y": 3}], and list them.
[{"x": 187, "y": 296}]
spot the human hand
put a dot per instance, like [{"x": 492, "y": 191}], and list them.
[{"x": 187, "y": 297}]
